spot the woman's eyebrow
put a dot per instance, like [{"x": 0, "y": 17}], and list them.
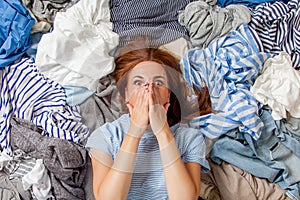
[
  {"x": 157, "y": 77},
  {"x": 138, "y": 76}
]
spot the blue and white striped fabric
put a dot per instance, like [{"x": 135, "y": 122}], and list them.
[
  {"x": 277, "y": 25},
  {"x": 228, "y": 67},
  {"x": 156, "y": 19},
  {"x": 27, "y": 94}
]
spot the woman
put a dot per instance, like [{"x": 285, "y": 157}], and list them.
[{"x": 148, "y": 153}]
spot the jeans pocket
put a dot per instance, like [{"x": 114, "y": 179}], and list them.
[{"x": 278, "y": 152}]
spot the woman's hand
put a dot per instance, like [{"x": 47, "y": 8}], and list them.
[
  {"x": 139, "y": 112},
  {"x": 157, "y": 109}
]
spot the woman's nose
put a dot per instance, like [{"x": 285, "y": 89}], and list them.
[{"x": 148, "y": 84}]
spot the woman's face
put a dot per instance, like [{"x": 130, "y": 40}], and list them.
[{"x": 145, "y": 74}]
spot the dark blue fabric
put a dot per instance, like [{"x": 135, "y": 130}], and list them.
[
  {"x": 35, "y": 39},
  {"x": 251, "y": 4},
  {"x": 15, "y": 26}
]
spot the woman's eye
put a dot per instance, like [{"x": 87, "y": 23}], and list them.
[
  {"x": 159, "y": 83},
  {"x": 138, "y": 83}
]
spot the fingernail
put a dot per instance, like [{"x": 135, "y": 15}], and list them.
[{"x": 146, "y": 85}]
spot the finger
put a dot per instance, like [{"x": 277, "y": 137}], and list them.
[
  {"x": 150, "y": 96},
  {"x": 156, "y": 96},
  {"x": 132, "y": 97},
  {"x": 130, "y": 108},
  {"x": 166, "y": 106},
  {"x": 141, "y": 102},
  {"x": 142, "y": 97},
  {"x": 145, "y": 99},
  {"x": 135, "y": 97}
]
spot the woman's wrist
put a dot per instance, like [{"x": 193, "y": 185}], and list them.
[
  {"x": 135, "y": 130},
  {"x": 165, "y": 136}
]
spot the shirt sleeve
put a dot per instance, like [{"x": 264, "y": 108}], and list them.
[
  {"x": 192, "y": 147},
  {"x": 101, "y": 140}
]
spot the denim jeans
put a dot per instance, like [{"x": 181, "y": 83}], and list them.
[{"x": 274, "y": 156}]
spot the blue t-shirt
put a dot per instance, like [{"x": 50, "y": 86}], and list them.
[{"x": 148, "y": 177}]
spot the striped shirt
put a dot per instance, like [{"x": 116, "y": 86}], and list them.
[
  {"x": 148, "y": 176},
  {"x": 156, "y": 19},
  {"x": 278, "y": 27},
  {"x": 228, "y": 67},
  {"x": 28, "y": 95},
  {"x": 18, "y": 165},
  {"x": 248, "y": 3}
]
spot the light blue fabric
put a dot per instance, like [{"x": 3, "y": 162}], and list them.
[
  {"x": 15, "y": 26},
  {"x": 76, "y": 95},
  {"x": 228, "y": 67},
  {"x": 274, "y": 156},
  {"x": 148, "y": 177}
]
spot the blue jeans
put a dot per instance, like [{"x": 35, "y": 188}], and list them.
[{"x": 274, "y": 156}]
